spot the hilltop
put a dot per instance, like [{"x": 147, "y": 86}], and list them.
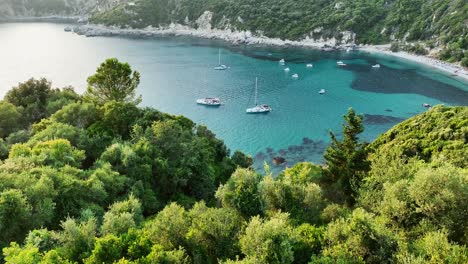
[{"x": 422, "y": 27}]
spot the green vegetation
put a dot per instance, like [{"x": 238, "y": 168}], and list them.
[
  {"x": 442, "y": 22},
  {"x": 105, "y": 181}
]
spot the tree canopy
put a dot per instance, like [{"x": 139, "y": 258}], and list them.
[
  {"x": 116, "y": 183},
  {"x": 113, "y": 81}
]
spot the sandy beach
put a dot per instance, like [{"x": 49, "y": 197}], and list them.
[
  {"x": 248, "y": 38},
  {"x": 446, "y": 67}
]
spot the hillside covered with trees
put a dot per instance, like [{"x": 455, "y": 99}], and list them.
[
  {"x": 40, "y": 8},
  {"x": 434, "y": 23},
  {"x": 94, "y": 178}
]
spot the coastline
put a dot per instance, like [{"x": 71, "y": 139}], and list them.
[
  {"x": 449, "y": 68},
  {"x": 248, "y": 38}
]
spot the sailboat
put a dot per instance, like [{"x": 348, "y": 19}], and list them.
[
  {"x": 282, "y": 62},
  {"x": 257, "y": 109},
  {"x": 208, "y": 101},
  {"x": 220, "y": 66}
]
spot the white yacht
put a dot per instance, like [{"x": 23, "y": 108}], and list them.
[
  {"x": 209, "y": 101},
  {"x": 340, "y": 63},
  {"x": 295, "y": 76},
  {"x": 67, "y": 29},
  {"x": 286, "y": 69},
  {"x": 376, "y": 66},
  {"x": 322, "y": 91},
  {"x": 310, "y": 65},
  {"x": 282, "y": 62},
  {"x": 257, "y": 109},
  {"x": 220, "y": 66}
]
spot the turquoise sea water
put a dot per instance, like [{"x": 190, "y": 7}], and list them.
[{"x": 176, "y": 71}]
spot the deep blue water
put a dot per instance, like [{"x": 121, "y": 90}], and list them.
[{"x": 176, "y": 71}]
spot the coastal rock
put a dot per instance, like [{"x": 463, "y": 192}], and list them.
[
  {"x": 204, "y": 21},
  {"x": 279, "y": 160}
]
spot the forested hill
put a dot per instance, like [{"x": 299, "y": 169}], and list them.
[
  {"x": 96, "y": 179},
  {"x": 437, "y": 23},
  {"x": 40, "y": 8}
]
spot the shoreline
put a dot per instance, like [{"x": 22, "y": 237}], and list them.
[
  {"x": 446, "y": 67},
  {"x": 248, "y": 38}
]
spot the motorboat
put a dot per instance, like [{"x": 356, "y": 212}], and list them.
[{"x": 209, "y": 101}]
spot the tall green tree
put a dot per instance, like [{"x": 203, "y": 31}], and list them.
[
  {"x": 346, "y": 159},
  {"x": 113, "y": 81},
  {"x": 9, "y": 117},
  {"x": 31, "y": 96},
  {"x": 242, "y": 193}
]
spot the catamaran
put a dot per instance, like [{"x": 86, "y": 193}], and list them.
[
  {"x": 257, "y": 109},
  {"x": 209, "y": 101},
  {"x": 220, "y": 66}
]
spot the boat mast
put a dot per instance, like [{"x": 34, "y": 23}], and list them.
[{"x": 256, "y": 90}]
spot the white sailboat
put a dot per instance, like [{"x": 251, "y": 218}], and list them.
[
  {"x": 257, "y": 109},
  {"x": 322, "y": 91},
  {"x": 310, "y": 65},
  {"x": 376, "y": 66},
  {"x": 208, "y": 101},
  {"x": 220, "y": 66},
  {"x": 282, "y": 62},
  {"x": 295, "y": 76},
  {"x": 286, "y": 69}
]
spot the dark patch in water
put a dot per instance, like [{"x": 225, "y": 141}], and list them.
[
  {"x": 291, "y": 155},
  {"x": 388, "y": 110},
  {"x": 381, "y": 119},
  {"x": 393, "y": 81}
]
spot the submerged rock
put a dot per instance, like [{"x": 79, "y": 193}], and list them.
[{"x": 279, "y": 160}]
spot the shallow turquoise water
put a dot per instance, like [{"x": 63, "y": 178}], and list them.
[{"x": 176, "y": 71}]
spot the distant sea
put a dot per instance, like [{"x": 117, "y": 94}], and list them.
[{"x": 177, "y": 70}]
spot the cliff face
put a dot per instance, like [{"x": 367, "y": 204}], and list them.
[{"x": 41, "y": 8}]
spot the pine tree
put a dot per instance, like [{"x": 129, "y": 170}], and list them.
[{"x": 346, "y": 159}]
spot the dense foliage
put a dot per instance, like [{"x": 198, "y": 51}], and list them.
[
  {"x": 110, "y": 182},
  {"x": 437, "y": 22},
  {"x": 38, "y": 8}
]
